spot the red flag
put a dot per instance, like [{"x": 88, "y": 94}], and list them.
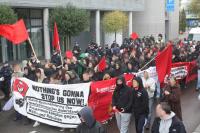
[
  {"x": 16, "y": 33},
  {"x": 102, "y": 64},
  {"x": 69, "y": 54},
  {"x": 163, "y": 63},
  {"x": 134, "y": 36},
  {"x": 100, "y": 99},
  {"x": 56, "y": 41}
]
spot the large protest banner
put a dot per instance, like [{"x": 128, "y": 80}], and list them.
[
  {"x": 100, "y": 99},
  {"x": 101, "y": 91},
  {"x": 56, "y": 105},
  {"x": 186, "y": 70}
]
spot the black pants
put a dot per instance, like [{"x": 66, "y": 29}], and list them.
[
  {"x": 139, "y": 123},
  {"x": 5, "y": 87}
]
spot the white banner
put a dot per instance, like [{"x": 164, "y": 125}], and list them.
[
  {"x": 56, "y": 105},
  {"x": 152, "y": 73},
  {"x": 178, "y": 72}
]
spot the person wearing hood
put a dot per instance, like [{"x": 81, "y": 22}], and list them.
[
  {"x": 121, "y": 103},
  {"x": 88, "y": 123},
  {"x": 140, "y": 104},
  {"x": 166, "y": 121}
]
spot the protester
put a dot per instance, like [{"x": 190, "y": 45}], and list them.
[
  {"x": 140, "y": 105},
  {"x": 55, "y": 59},
  {"x": 127, "y": 58},
  {"x": 122, "y": 102},
  {"x": 198, "y": 77},
  {"x": 149, "y": 85},
  {"x": 88, "y": 122},
  {"x": 166, "y": 121},
  {"x": 172, "y": 95},
  {"x": 5, "y": 79}
]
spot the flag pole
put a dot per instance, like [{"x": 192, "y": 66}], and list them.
[
  {"x": 61, "y": 58},
  {"x": 148, "y": 63},
  {"x": 29, "y": 40}
]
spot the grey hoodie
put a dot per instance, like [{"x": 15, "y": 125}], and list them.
[{"x": 165, "y": 124}]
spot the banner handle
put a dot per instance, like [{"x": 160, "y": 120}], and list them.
[{"x": 29, "y": 40}]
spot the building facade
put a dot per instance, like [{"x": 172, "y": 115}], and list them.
[
  {"x": 146, "y": 17},
  {"x": 192, "y": 19}
]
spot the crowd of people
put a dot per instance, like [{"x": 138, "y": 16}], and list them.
[{"x": 130, "y": 57}]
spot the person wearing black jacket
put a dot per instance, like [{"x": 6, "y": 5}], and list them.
[
  {"x": 121, "y": 102},
  {"x": 55, "y": 59},
  {"x": 167, "y": 121},
  {"x": 5, "y": 79},
  {"x": 140, "y": 105},
  {"x": 88, "y": 122}
]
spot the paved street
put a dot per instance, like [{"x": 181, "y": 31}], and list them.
[{"x": 190, "y": 109}]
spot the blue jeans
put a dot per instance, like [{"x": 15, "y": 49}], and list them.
[
  {"x": 151, "y": 101},
  {"x": 198, "y": 80},
  {"x": 158, "y": 89},
  {"x": 140, "y": 122}
]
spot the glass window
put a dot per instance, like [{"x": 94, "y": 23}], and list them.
[
  {"x": 36, "y": 22},
  {"x": 37, "y": 40},
  {"x": 36, "y": 13},
  {"x": 33, "y": 19}
]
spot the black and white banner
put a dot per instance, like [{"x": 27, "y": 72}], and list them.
[{"x": 56, "y": 105}]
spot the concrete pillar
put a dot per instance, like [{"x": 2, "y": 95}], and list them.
[
  {"x": 46, "y": 34},
  {"x": 97, "y": 26},
  {"x": 130, "y": 23},
  {"x": 4, "y": 49}
]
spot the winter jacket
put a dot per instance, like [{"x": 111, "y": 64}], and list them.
[
  {"x": 122, "y": 97},
  {"x": 90, "y": 125},
  {"x": 140, "y": 104},
  {"x": 173, "y": 99},
  {"x": 175, "y": 127}
]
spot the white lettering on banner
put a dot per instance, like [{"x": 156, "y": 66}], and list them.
[
  {"x": 177, "y": 72},
  {"x": 56, "y": 105},
  {"x": 106, "y": 89}
]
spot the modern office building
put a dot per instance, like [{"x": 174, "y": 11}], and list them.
[
  {"x": 192, "y": 19},
  {"x": 146, "y": 17}
]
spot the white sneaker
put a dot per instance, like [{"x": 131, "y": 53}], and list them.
[
  {"x": 62, "y": 130},
  {"x": 33, "y": 132},
  {"x": 36, "y": 124}
]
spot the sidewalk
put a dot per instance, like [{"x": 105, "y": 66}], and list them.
[{"x": 197, "y": 130}]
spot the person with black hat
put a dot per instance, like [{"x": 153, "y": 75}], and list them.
[
  {"x": 140, "y": 104},
  {"x": 121, "y": 102}
]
